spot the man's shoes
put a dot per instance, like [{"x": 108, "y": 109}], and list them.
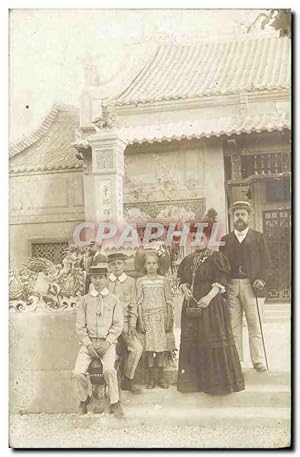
[
  {"x": 163, "y": 384},
  {"x": 128, "y": 384},
  {"x": 260, "y": 367},
  {"x": 125, "y": 383},
  {"x": 150, "y": 385},
  {"x": 151, "y": 379},
  {"x": 161, "y": 381},
  {"x": 135, "y": 389},
  {"x": 116, "y": 410},
  {"x": 83, "y": 406}
]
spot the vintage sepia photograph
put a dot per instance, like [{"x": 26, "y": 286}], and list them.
[{"x": 150, "y": 199}]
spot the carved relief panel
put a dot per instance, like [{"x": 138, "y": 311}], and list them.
[
  {"x": 163, "y": 173},
  {"x": 184, "y": 210}
]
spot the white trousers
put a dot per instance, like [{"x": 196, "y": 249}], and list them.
[
  {"x": 109, "y": 372},
  {"x": 242, "y": 299}
]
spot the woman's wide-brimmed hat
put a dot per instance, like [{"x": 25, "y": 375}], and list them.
[{"x": 162, "y": 255}]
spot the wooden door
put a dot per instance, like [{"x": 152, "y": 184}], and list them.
[{"x": 277, "y": 230}]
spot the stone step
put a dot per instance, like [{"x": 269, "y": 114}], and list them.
[
  {"x": 276, "y": 320},
  {"x": 175, "y": 415},
  {"x": 266, "y": 377},
  {"x": 251, "y": 377},
  {"x": 205, "y": 416},
  {"x": 57, "y": 393},
  {"x": 275, "y": 316},
  {"x": 278, "y": 305},
  {"x": 258, "y": 396},
  {"x": 277, "y": 313},
  {"x": 284, "y": 309}
]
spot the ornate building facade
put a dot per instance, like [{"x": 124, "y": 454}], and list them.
[{"x": 183, "y": 128}]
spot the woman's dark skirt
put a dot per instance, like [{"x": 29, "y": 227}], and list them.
[{"x": 208, "y": 358}]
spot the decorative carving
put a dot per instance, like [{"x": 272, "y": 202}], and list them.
[
  {"x": 81, "y": 144},
  {"x": 163, "y": 178},
  {"x": 236, "y": 166},
  {"x": 42, "y": 285},
  {"x": 134, "y": 214},
  {"x": 103, "y": 159},
  {"x": 53, "y": 250},
  {"x": 176, "y": 210},
  {"x": 107, "y": 119}
]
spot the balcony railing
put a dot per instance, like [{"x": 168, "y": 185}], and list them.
[{"x": 264, "y": 164}]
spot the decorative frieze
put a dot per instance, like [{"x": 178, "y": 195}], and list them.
[
  {"x": 41, "y": 285},
  {"x": 176, "y": 210}
]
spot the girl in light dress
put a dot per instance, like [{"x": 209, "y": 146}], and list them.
[{"x": 155, "y": 319}]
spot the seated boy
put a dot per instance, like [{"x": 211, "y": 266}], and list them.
[{"x": 99, "y": 324}]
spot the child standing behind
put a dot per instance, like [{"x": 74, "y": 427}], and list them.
[{"x": 155, "y": 318}]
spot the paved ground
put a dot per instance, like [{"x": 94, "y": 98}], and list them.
[{"x": 58, "y": 431}]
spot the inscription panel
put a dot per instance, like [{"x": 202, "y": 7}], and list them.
[{"x": 102, "y": 160}]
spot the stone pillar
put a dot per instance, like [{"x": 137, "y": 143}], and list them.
[{"x": 103, "y": 179}]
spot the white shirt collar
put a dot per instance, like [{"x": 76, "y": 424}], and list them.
[
  {"x": 94, "y": 292},
  {"x": 241, "y": 235},
  {"x": 114, "y": 278}
]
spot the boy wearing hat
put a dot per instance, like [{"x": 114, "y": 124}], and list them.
[
  {"x": 99, "y": 323},
  {"x": 123, "y": 286},
  {"x": 248, "y": 255}
]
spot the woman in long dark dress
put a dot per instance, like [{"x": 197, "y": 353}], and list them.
[{"x": 208, "y": 358}]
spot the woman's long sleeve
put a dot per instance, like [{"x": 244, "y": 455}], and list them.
[
  {"x": 221, "y": 270},
  {"x": 183, "y": 272}
]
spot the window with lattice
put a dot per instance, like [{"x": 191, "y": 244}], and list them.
[{"x": 54, "y": 251}]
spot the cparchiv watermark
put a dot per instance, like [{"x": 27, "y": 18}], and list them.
[{"x": 194, "y": 234}]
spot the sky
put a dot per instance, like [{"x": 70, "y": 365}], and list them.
[{"x": 49, "y": 48}]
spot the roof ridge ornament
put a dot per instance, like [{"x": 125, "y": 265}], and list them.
[{"x": 107, "y": 118}]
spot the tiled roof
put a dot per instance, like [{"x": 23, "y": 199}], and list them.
[
  {"x": 207, "y": 128},
  {"x": 211, "y": 68},
  {"x": 50, "y": 147}
]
